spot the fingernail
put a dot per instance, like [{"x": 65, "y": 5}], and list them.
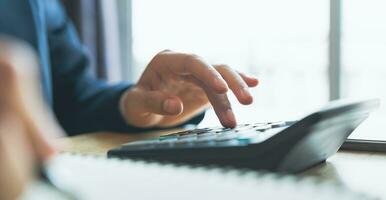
[
  {"x": 231, "y": 118},
  {"x": 171, "y": 106}
]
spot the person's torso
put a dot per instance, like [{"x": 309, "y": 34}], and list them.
[{"x": 31, "y": 21}]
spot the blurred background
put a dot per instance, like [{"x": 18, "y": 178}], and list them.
[{"x": 305, "y": 53}]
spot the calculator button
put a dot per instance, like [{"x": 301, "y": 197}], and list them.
[
  {"x": 249, "y": 134},
  {"x": 187, "y": 136},
  {"x": 243, "y": 128},
  {"x": 219, "y": 130},
  {"x": 168, "y": 137},
  {"x": 278, "y": 124},
  {"x": 272, "y": 132},
  {"x": 227, "y": 136},
  {"x": 200, "y": 131},
  {"x": 263, "y": 128},
  {"x": 187, "y": 139},
  {"x": 206, "y": 137},
  {"x": 207, "y": 134}
]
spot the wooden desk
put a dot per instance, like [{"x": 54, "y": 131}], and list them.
[{"x": 364, "y": 172}]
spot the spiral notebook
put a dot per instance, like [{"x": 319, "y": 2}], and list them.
[{"x": 94, "y": 178}]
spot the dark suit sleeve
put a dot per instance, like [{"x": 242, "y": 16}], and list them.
[{"x": 81, "y": 102}]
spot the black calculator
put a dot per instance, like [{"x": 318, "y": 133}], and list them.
[{"x": 285, "y": 146}]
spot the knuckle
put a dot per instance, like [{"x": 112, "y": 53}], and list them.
[
  {"x": 194, "y": 57},
  {"x": 158, "y": 59},
  {"x": 158, "y": 55},
  {"x": 190, "y": 59},
  {"x": 8, "y": 71},
  {"x": 166, "y": 51},
  {"x": 162, "y": 53},
  {"x": 17, "y": 58}
]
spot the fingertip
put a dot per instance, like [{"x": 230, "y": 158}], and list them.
[
  {"x": 244, "y": 96},
  {"x": 256, "y": 82},
  {"x": 229, "y": 120},
  {"x": 247, "y": 100},
  {"x": 252, "y": 82}
]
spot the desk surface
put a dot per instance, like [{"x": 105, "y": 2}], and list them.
[{"x": 364, "y": 172}]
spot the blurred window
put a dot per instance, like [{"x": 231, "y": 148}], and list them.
[
  {"x": 364, "y": 59},
  {"x": 284, "y": 43},
  {"x": 305, "y": 53}
]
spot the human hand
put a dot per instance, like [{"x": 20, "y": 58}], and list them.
[
  {"x": 24, "y": 119},
  {"x": 176, "y": 87}
]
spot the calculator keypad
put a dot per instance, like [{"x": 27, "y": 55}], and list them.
[{"x": 242, "y": 135}]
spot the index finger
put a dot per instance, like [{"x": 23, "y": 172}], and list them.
[{"x": 190, "y": 64}]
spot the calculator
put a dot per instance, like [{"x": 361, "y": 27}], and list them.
[{"x": 284, "y": 146}]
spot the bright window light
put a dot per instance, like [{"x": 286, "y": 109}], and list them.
[
  {"x": 364, "y": 59},
  {"x": 284, "y": 43}
]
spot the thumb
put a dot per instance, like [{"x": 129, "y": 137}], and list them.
[{"x": 145, "y": 107}]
